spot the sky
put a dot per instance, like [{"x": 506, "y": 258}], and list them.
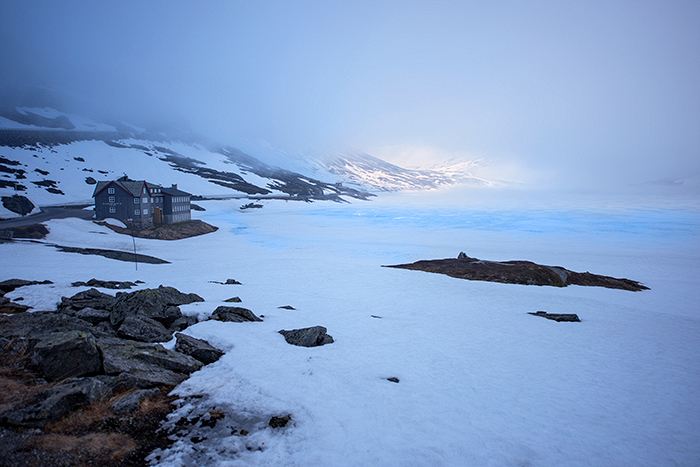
[{"x": 589, "y": 93}]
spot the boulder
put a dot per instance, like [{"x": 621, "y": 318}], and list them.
[
  {"x": 143, "y": 329},
  {"x": 182, "y": 323},
  {"x": 152, "y": 303},
  {"x": 92, "y": 298},
  {"x": 148, "y": 363},
  {"x": 234, "y": 314},
  {"x": 10, "y": 308},
  {"x": 32, "y": 327},
  {"x": 18, "y": 204},
  {"x": 91, "y": 315},
  {"x": 132, "y": 401},
  {"x": 12, "y": 284},
  {"x": 307, "y": 337},
  {"x": 53, "y": 403},
  {"x": 62, "y": 355},
  {"x": 197, "y": 348}
]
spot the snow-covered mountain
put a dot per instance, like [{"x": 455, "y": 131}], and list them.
[
  {"x": 377, "y": 174},
  {"x": 56, "y": 158}
]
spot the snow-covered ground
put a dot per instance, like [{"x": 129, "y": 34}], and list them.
[{"x": 482, "y": 383}]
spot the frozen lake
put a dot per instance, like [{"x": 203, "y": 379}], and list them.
[{"x": 481, "y": 381}]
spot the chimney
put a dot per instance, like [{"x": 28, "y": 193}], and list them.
[{"x": 174, "y": 187}]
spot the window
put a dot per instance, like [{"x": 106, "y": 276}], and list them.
[
  {"x": 152, "y": 201},
  {"x": 111, "y": 199},
  {"x": 145, "y": 201},
  {"x": 145, "y": 212},
  {"x": 110, "y": 191},
  {"x": 136, "y": 200},
  {"x": 137, "y": 212},
  {"x": 112, "y": 210}
]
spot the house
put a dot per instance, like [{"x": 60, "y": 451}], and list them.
[{"x": 141, "y": 204}]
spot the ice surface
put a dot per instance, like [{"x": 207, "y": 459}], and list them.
[{"x": 481, "y": 381}]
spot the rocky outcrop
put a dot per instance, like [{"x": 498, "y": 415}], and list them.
[
  {"x": 307, "y": 337},
  {"x": 559, "y": 317},
  {"x": 197, "y": 348},
  {"x": 234, "y": 314},
  {"x": 517, "y": 272},
  {"x": 159, "y": 304},
  {"x": 18, "y": 204},
  {"x": 105, "y": 284},
  {"x": 12, "y": 284},
  {"x": 150, "y": 364},
  {"x": 132, "y": 401},
  {"x": 61, "y": 355},
  {"x": 143, "y": 329},
  {"x": 53, "y": 403}
]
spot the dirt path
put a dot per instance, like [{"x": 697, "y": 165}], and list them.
[{"x": 46, "y": 214}]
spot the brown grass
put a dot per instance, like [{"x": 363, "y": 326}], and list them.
[{"x": 100, "y": 447}]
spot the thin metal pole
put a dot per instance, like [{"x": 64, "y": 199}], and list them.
[{"x": 136, "y": 261}]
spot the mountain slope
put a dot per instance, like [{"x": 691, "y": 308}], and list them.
[{"x": 380, "y": 175}]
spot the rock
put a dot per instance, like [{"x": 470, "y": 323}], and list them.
[
  {"x": 152, "y": 303},
  {"x": 197, "y": 348},
  {"x": 232, "y": 282},
  {"x": 18, "y": 204},
  {"x": 132, "y": 401},
  {"x": 307, "y": 337},
  {"x": 150, "y": 363},
  {"x": 52, "y": 404},
  {"x": 12, "y": 284},
  {"x": 90, "y": 181},
  {"x": 91, "y": 298},
  {"x": 91, "y": 315},
  {"x": 105, "y": 284},
  {"x": 279, "y": 422},
  {"x": 33, "y": 327},
  {"x": 62, "y": 355},
  {"x": 143, "y": 329},
  {"x": 234, "y": 300},
  {"x": 517, "y": 272},
  {"x": 182, "y": 323},
  {"x": 234, "y": 314},
  {"x": 393, "y": 379},
  {"x": 556, "y": 316},
  {"x": 10, "y": 308},
  {"x": 286, "y": 307}
]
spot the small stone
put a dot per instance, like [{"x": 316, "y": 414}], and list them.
[
  {"x": 234, "y": 314},
  {"x": 393, "y": 379},
  {"x": 279, "y": 422},
  {"x": 307, "y": 337}
]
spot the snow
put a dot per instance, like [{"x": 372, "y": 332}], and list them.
[{"x": 481, "y": 381}]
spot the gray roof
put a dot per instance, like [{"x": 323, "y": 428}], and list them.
[
  {"x": 174, "y": 192},
  {"x": 133, "y": 187}
]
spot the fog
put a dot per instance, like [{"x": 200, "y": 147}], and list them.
[{"x": 601, "y": 96}]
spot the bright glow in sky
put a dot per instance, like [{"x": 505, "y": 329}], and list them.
[{"x": 601, "y": 93}]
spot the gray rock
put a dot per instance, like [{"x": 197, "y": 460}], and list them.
[
  {"x": 91, "y": 315},
  {"x": 91, "y": 298},
  {"x": 143, "y": 329},
  {"x": 183, "y": 322},
  {"x": 144, "y": 362},
  {"x": 233, "y": 300},
  {"x": 62, "y": 355},
  {"x": 559, "y": 317},
  {"x": 307, "y": 337},
  {"x": 32, "y": 327},
  {"x": 18, "y": 204},
  {"x": 52, "y": 404},
  {"x": 197, "y": 348},
  {"x": 105, "y": 284},
  {"x": 132, "y": 401},
  {"x": 10, "y": 308},
  {"x": 234, "y": 314},
  {"x": 152, "y": 303},
  {"x": 12, "y": 284}
]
